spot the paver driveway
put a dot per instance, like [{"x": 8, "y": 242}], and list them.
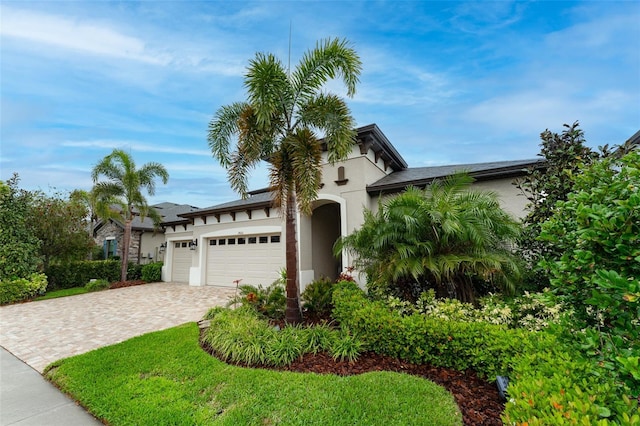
[{"x": 42, "y": 332}]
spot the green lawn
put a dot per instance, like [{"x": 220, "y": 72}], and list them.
[
  {"x": 62, "y": 293},
  {"x": 165, "y": 378}
]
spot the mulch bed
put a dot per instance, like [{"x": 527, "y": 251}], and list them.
[
  {"x": 121, "y": 284},
  {"x": 478, "y": 399}
]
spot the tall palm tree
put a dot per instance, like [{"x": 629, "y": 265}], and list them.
[
  {"x": 124, "y": 186},
  {"x": 441, "y": 237},
  {"x": 280, "y": 121}
]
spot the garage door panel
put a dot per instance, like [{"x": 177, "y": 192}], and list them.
[{"x": 255, "y": 264}]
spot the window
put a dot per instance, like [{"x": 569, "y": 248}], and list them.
[
  {"x": 242, "y": 241},
  {"x": 264, "y": 240},
  {"x": 252, "y": 240},
  {"x": 177, "y": 245},
  {"x": 184, "y": 244},
  {"x": 275, "y": 238},
  {"x": 222, "y": 242},
  {"x": 231, "y": 241},
  {"x": 212, "y": 242}
]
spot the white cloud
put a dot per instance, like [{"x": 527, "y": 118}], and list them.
[{"x": 89, "y": 37}]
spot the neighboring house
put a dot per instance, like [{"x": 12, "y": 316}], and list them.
[
  {"x": 244, "y": 239},
  {"x": 147, "y": 241}
]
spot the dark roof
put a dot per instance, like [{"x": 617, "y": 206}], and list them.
[
  {"x": 168, "y": 211},
  {"x": 256, "y": 199},
  {"x": 420, "y": 176},
  {"x": 372, "y": 136}
]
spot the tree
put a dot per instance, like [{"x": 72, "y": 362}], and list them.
[
  {"x": 443, "y": 237},
  {"x": 98, "y": 207},
  {"x": 279, "y": 123},
  {"x": 598, "y": 229},
  {"x": 564, "y": 153},
  {"x": 19, "y": 255},
  {"x": 124, "y": 186},
  {"x": 595, "y": 268},
  {"x": 61, "y": 226}
]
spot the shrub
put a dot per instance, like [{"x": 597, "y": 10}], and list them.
[
  {"x": 269, "y": 301},
  {"x": 97, "y": 285},
  {"x": 134, "y": 271},
  {"x": 346, "y": 346},
  {"x": 152, "y": 272},
  {"x": 77, "y": 274},
  {"x": 531, "y": 311},
  {"x": 551, "y": 381},
  {"x": 317, "y": 297},
  {"x": 244, "y": 336},
  {"x": 19, "y": 289}
]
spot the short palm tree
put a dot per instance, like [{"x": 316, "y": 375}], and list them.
[
  {"x": 97, "y": 208},
  {"x": 123, "y": 187},
  {"x": 442, "y": 237},
  {"x": 280, "y": 123}
]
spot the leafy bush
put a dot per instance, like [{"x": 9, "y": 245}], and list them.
[
  {"x": 97, "y": 285},
  {"x": 134, "y": 271},
  {"x": 317, "y": 297},
  {"x": 244, "y": 336},
  {"x": 531, "y": 311},
  {"x": 77, "y": 274},
  {"x": 19, "y": 289},
  {"x": 346, "y": 346},
  {"x": 19, "y": 246},
  {"x": 597, "y": 232},
  {"x": 152, "y": 272},
  {"x": 269, "y": 301},
  {"x": 551, "y": 382}
]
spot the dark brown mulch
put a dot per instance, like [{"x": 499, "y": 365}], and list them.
[
  {"x": 121, "y": 284},
  {"x": 478, "y": 399}
]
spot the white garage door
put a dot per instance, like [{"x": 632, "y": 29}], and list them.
[
  {"x": 255, "y": 259},
  {"x": 180, "y": 262}
]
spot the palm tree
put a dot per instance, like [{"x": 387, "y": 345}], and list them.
[
  {"x": 97, "y": 207},
  {"x": 123, "y": 187},
  {"x": 442, "y": 237},
  {"x": 284, "y": 112}
]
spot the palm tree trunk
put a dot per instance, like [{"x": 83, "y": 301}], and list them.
[
  {"x": 292, "y": 313},
  {"x": 125, "y": 250}
]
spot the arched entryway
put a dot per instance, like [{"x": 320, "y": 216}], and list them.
[{"x": 325, "y": 231}]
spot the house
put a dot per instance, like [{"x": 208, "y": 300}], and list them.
[
  {"x": 244, "y": 239},
  {"x": 147, "y": 241}
]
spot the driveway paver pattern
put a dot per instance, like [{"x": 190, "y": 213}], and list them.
[{"x": 42, "y": 332}]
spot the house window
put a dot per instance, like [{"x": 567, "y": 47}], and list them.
[
  {"x": 212, "y": 242},
  {"x": 177, "y": 245},
  {"x": 184, "y": 244},
  {"x": 222, "y": 242},
  {"x": 275, "y": 238},
  {"x": 231, "y": 241},
  {"x": 242, "y": 241},
  {"x": 252, "y": 240},
  {"x": 264, "y": 240}
]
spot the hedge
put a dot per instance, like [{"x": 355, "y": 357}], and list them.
[
  {"x": 551, "y": 383},
  {"x": 77, "y": 274},
  {"x": 19, "y": 289}
]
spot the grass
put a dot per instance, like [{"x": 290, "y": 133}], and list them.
[
  {"x": 165, "y": 378},
  {"x": 62, "y": 293}
]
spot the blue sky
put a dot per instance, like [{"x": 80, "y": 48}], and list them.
[{"x": 447, "y": 82}]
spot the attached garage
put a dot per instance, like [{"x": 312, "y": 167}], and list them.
[
  {"x": 180, "y": 261},
  {"x": 254, "y": 259}
]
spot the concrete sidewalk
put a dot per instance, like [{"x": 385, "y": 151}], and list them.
[{"x": 27, "y": 399}]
